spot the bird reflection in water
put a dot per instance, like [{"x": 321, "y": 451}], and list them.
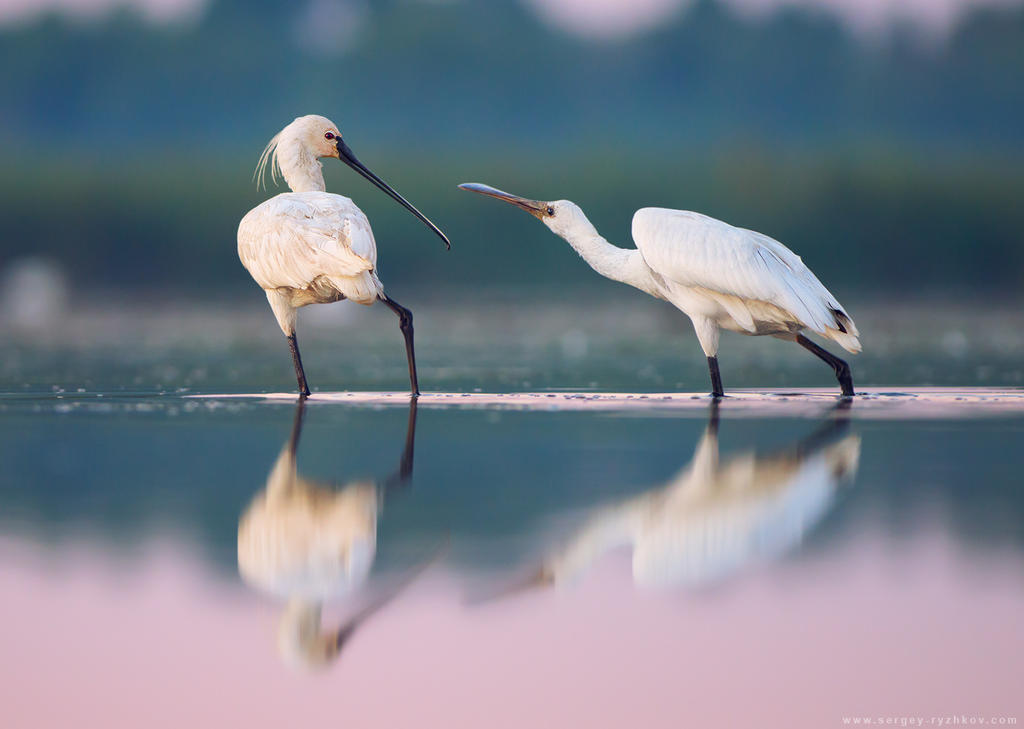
[
  {"x": 714, "y": 516},
  {"x": 309, "y": 543}
]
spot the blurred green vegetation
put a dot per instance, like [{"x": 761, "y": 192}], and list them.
[
  {"x": 892, "y": 165},
  {"x": 423, "y": 73},
  {"x": 875, "y": 221}
]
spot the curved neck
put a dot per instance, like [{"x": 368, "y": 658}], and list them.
[
  {"x": 619, "y": 264},
  {"x": 301, "y": 170}
]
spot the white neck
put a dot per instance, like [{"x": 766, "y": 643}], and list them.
[
  {"x": 619, "y": 264},
  {"x": 302, "y": 171}
]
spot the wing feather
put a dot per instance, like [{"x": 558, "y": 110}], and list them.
[
  {"x": 695, "y": 250},
  {"x": 293, "y": 238}
]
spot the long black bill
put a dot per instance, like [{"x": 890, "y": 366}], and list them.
[{"x": 346, "y": 156}]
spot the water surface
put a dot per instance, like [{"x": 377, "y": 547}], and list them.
[
  {"x": 537, "y": 567},
  {"x": 563, "y": 532}
]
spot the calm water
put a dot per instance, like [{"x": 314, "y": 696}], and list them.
[{"x": 167, "y": 560}]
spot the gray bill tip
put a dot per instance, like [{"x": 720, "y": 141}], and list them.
[{"x": 481, "y": 187}]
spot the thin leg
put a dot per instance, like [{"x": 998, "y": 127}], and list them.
[
  {"x": 404, "y": 472},
  {"x": 840, "y": 367},
  {"x": 405, "y": 324},
  {"x": 300, "y": 411},
  {"x": 300, "y": 374},
  {"x": 405, "y": 465},
  {"x": 716, "y": 378},
  {"x": 824, "y": 435},
  {"x": 712, "y": 428}
]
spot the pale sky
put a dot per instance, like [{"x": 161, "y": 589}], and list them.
[
  {"x": 619, "y": 18},
  {"x": 592, "y": 18},
  {"x": 157, "y": 11}
]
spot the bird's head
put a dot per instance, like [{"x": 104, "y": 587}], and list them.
[
  {"x": 318, "y": 134},
  {"x": 303, "y": 643},
  {"x": 562, "y": 217},
  {"x": 309, "y": 137},
  {"x": 314, "y": 137}
]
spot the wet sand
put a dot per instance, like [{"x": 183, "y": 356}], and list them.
[{"x": 896, "y": 402}]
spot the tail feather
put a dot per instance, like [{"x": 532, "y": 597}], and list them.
[
  {"x": 847, "y": 341},
  {"x": 844, "y": 332}
]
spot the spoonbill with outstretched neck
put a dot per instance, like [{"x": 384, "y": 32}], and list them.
[
  {"x": 720, "y": 276},
  {"x": 714, "y": 517},
  {"x": 309, "y": 246}
]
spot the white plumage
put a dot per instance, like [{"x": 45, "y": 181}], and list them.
[
  {"x": 308, "y": 543},
  {"x": 713, "y": 518},
  {"x": 296, "y": 237},
  {"x": 721, "y": 276},
  {"x": 750, "y": 283},
  {"x": 309, "y": 246}
]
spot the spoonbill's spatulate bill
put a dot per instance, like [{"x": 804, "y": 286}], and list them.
[
  {"x": 720, "y": 276},
  {"x": 309, "y": 246}
]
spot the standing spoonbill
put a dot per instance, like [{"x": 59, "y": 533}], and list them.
[
  {"x": 309, "y": 246},
  {"x": 309, "y": 543},
  {"x": 720, "y": 276}
]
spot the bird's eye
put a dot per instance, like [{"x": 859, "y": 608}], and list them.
[
  {"x": 551, "y": 210},
  {"x": 329, "y": 135}
]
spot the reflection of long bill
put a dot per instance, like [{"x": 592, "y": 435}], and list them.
[
  {"x": 346, "y": 155},
  {"x": 536, "y": 208}
]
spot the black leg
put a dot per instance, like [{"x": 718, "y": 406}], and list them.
[
  {"x": 716, "y": 378},
  {"x": 405, "y": 465},
  {"x": 840, "y": 367},
  {"x": 713, "y": 417},
  {"x": 404, "y": 472},
  {"x": 300, "y": 374},
  {"x": 300, "y": 411},
  {"x": 825, "y": 434},
  {"x": 405, "y": 324}
]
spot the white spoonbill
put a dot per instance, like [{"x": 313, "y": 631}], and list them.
[
  {"x": 310, "y": 543},
  {"x": 720, "y": 276},
  {"x": 309, "y": 246},
  {"x": 713, "y": 517}
]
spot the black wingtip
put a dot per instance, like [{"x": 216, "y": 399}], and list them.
[{"x": 838, "y": 315}]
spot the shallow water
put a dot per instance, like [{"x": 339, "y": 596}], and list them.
[
  {"x": 495, "y": 343},
  {"x": 539, "y": 567},
  {"x": 503, "y": 554}
]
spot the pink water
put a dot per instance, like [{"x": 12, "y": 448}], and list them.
[{"x": 871, "y": 626}]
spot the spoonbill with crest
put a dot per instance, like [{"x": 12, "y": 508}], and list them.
[
  {"x": 720, "y": 276},
  {"x": 309, "y": 246},
  {"x": 310, "y": 543}
]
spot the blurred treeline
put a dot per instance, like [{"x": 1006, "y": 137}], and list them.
[
  {"x": 891, "y": 164},
  {"x": 885, "y": 222}
]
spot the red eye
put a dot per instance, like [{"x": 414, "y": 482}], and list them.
[{"x": 329, "y": 135}]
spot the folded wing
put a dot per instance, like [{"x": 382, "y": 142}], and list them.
[
  {"x": 694, "y": 250},
  {"x": 293, "y": 238}
]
